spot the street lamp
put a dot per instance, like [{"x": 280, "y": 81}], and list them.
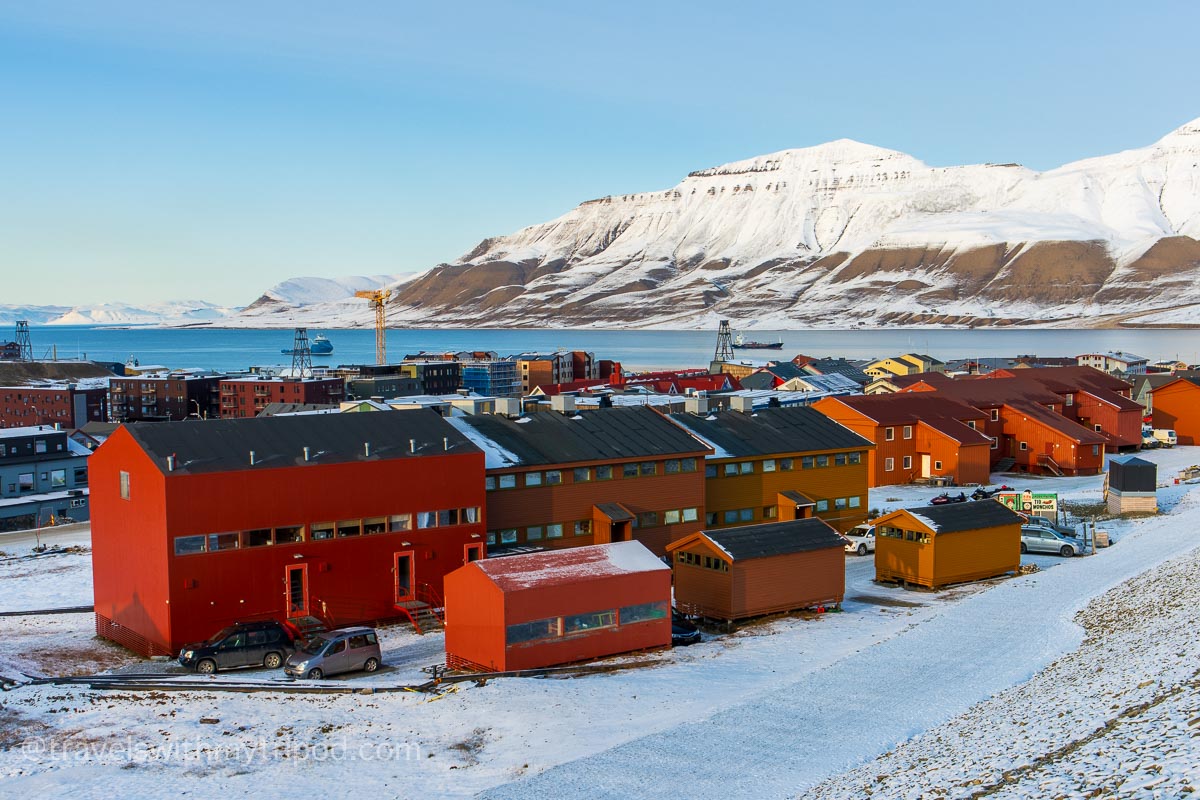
[{"x": 196, "y": 403}]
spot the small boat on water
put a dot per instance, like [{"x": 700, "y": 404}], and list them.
[
  {"x": 740, "y": 343},
  {"x": 319, "y": 346}
]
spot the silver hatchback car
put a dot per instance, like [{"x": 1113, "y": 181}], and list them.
[
  {"x": 1040, "y": 539},
  {"x": 342, "y": 650}
]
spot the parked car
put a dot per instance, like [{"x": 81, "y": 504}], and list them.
[
  {"x": 264, "y": 643},
  {"x": 332, "y": 652},
  {"x": 861, "y": 539},
  {"x": 1041, "y": 539},
  {"x": 683, "y": 631},
  {"x": 1166, "y": 437},
  {"x": 1045, "y": 522}
]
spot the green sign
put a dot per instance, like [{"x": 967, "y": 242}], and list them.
[{"x": 1035, "y": 504}]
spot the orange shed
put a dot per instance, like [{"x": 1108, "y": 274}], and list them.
[
  {"x": 735, "y": 573},
  {"x": 557, "y": 607},
  {"x": 937, "y": 545}
]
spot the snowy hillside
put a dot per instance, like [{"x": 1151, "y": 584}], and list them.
[
  {"x": 315, "y": 300},
  {"x": 847, "y": 233},
  {"x": 180, "y": 311}
]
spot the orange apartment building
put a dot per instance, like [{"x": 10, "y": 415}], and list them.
[
  {"x": 917, "y": 435},
  {"x": 1027, "y": 426},
  {"x": 780, "y": 464},
  {"x": 1177, "y": 407},
  {"x": 565, "y": 479}
]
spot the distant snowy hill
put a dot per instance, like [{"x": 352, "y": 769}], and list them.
[
  {"x": 850, "y": 234},
  {"x": 180, "y": 311},
  {"x": 329, "y": 302}
]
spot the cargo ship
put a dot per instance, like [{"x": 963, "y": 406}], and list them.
[
  {"x": 319, "y": 346},
  {"x": 740, "y": 343}
]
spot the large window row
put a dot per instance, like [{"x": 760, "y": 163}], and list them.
[
  {"x": 887, "y": 531},
  {"x": 734, "y": 468},
  {"x": 536, "y": 533},
  {"x": 604, "y": 472},
  {"x": 707, "y": 562},
  {"x": 544, "y": 630},
  {"x": 320, "y": 531}
]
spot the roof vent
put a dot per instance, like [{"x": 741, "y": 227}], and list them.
[
  {"x": 412, "y": 445},
  {"x": 171, "y": 463},
  {"x": 367, "y": 449},
  {"x": 563, "y": 403},
  {"x": 741, "y": 403},
  {"x": 696, "y": 405},
  {"x": 306, "y": 453},
  {"x": 252, "y": 458},
  {"x": 445, "y": 442}
]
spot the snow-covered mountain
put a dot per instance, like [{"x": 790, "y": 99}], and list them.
[
  {"x": 312, "y": 301},
  {"x": 169, "y": 312},
  {"x": 847, "y": 233}
]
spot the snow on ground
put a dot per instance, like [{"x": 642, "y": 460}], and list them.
[{"x": 768, "y": 711}]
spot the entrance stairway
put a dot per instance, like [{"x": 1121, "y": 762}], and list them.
[
  {"x": 308, "y": 626},
  {"x": 422, "y": 615},
  {"x": 1004, "y": 465},
  {"x": 1050, "y": 465}
]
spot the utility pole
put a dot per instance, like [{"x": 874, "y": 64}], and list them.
[
  {"x": 301, "y": 356},
  {"x": 724, "y": 342},
  {"x": 23, "y": 340}
]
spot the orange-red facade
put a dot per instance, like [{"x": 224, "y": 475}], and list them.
[
  {"x": 1177, "y": 407},
  {"x": 261, "y": 530}
]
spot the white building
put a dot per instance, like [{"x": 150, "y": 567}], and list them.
[{"x": 1114, "y": 362}]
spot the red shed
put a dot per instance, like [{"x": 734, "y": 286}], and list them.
[
  {"x": 343, "y": 517},
  {"x": 557, "y": 607}
]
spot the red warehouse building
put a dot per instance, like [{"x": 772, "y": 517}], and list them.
[
  {"x": 1177, "y": 408},
  {"x": 344, "y": 517},
  {"x": 557, "y": 607},
  {"x": 66, "y": 405}
]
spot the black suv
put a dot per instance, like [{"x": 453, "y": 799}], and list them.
[{"x": 242, "y": 644}]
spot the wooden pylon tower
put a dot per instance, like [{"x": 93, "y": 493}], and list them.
[{"x": 379, "y": 299}]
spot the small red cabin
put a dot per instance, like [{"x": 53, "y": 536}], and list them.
[
  {"x": 557, "y": 607},
  {"x": 342, "y": 517}
]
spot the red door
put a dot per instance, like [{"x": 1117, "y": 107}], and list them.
[
  {"x": 403, "y": 571},
  {"x": 296, "y": 583}
]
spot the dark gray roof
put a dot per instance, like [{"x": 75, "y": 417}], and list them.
[
  {"x": 275, "y": 409},
  {"x": 225, "y": 444},
  {"x": 758, "y": 380},
  {"x": 776, "y": 538},
  {"x": 968, "y": 516},
  {"x": 796, "y": 429},
  {"x": 840, "y": 366},
  {"x": 550, "y": 437},
  {"x": 615, "y": 512},
  {"x": 798, "y": 498}
]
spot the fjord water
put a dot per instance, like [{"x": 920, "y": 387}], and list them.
[{"x": 230, "y": 349}]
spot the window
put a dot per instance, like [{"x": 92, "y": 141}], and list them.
[
  {"x": 671, "y": 517},
  {"x": 731, "y": 469},
  {"x": 889, "y": 434},
  {"x": 710, "y": 518},
  {"x": 689, "y": 464},
  {"x": 604, "y": 473},
  {"x": 579, "y": 623},
  {"x": 822, "y": 461},
  {"x": 1070, "y": 400},
  {"x": 729, "y": 517},
  {"x": 188, "y": 545},
  {"x": 1024, "y": 445},
  {"x": 259, "y": 537},
  {"x": 447, "y": 517},
  {"x": 508, "y": 536},
  {"x": 400, "y": 522},
  {"x": 995, "y": 415},
  {"x": 534, "y": 533},
  {"x": 507, "y": 481},
  {"x": 582, "y": 475},
  {"x": 583, "y": 527},
  {"x": 888, "y": 464},
  {"x": 647, "y": 519},
  {"x": 855, "y": 502},
  {"x": 469, "y": 516},
  {"x": 822, "y": 505},
  {"x": 532, "y": 631},
  {"x": 643, "y": 613},
  {"x": 746, "y": 515},
  {"x": 533, "y": 479},
  {"x": 746, "y": 468},
  {"x": 222, "y": 541},
  {"x": 768, "y": 465},
  {"x": 124, "y": 485},
  {"x": 855, "y": 458},
  {"x": 491, "y": 538},
  {"x": 1095, "y": 449},
  {"x": 907, "y": 462},
  {"x": 671, "y": 466},
  {"x": 840, "y": 502},
  {"x": 554, "y": 530},
  {"x": 971, "y": 422},
  {"x": 629, "y": 470},
  {"x": 81, "y": 476},
  {"x": 807, "y": 462},
  {"x": 839, "y": 460},
  {"x": 426, "y": 519},
  {"x": 995, "y": 442},
  {"x": 39, "y": 446},
  {"x": 710, "y": 471},
  {"x": 691, "y": 514},
  {"x": 322, "y": 530},
  {"x": 58, "y": 478},
  {"x": 370, "y": 525},
  {"x": 785, "y": 465},
  {"x": 770, "y": 512},
  {"x": 1099, "y": 428},
  {"x": 289, "y": 534},
  {"x": 908, "y": 431},
  {"x": 649, "y": 468},
  {"x": 489, "y": 482}
]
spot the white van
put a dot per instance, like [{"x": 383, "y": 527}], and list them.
[{"x": 1165, "y": 437}]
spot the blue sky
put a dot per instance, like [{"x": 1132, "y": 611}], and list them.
[{"x": 153, "y": 151}]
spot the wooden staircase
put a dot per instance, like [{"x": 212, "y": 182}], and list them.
[
  {"x": 1049, "y": 464},
  {"x": 1004, "y": 465}
]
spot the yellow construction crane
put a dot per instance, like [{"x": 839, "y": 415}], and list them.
[{"x": 379, "y": 299}]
